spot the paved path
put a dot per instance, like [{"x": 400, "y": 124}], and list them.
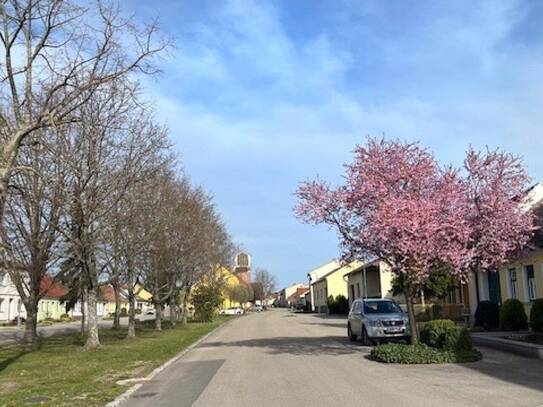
[
  {"x": 281, "y": 359},
  {"x": 13, "y": 334}
]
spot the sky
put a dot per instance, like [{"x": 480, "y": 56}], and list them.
[{"x": 260, "y": 96}]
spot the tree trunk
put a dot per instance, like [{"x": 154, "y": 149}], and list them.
[
  {"x": 185, "y": 306},
  {"x": 31, "y": 333},
  {"x": 117, "y": 317},
  {"x": 84, "y": 300},
  {"x": 173, "y": 310},
  {"x": 131, "y": 312},
  {"x": 93, "y": 340},
  {"x": 158, "y": 317},
  {"x": 411, "y": 314}
]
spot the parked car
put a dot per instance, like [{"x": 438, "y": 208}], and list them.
[
  {"x": 377, "y": 319},
  {"x": 257, "y": 308},
  {"x": 298, "y": 308},
  {"x": 232, "y": 311}
]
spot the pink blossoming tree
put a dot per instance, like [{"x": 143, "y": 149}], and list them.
[
  {"x": 500, "y": 217},
  {"x": 398, "y": 205}
]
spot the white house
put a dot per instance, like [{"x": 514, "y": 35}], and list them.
[{"x": 11, "y": 305}]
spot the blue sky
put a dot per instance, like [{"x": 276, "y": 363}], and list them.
[{"x": 261, "y": 95}]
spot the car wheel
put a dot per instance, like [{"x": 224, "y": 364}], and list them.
[
  {"x": 366, "y": 341},
  {"x": 352, "y": 337}
]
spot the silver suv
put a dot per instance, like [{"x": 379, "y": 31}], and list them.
[{"x": 377, "y": 319}]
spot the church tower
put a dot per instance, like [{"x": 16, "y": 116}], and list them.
[{"x": 242, "y": 267}]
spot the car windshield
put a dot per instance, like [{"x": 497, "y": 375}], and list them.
[{"x": 381, "y": 307}]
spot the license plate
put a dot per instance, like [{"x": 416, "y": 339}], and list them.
[{"x": 394, "y": 329}]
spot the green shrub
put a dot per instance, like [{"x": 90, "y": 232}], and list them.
[
  {"x": 66, "y": 318},
  {"x": 444, "y": 334},
  {"x": 124, "y": 312},
  {"x": 421, "y": 354},
  {"x": 206, "y": 301},
  {"x": 487, "y": 315},
  {"x": 339, "y": 305},
  {"x": 512, "y": 316},
  {"x": 137, "y": 311},
  {"x": 536, "y": 315}
]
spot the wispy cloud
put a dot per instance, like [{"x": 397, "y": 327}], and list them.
[{"x": 258, "y": 98}]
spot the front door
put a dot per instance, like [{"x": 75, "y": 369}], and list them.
[{"x": 494, "y": 293}]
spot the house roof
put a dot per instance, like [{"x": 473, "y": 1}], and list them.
[
  {"x": 107, "y": 293},
  {"x": 52, "y": 289},
  {"x": 355, "y": 265},
  {"x": 323, "y": 269},
  {"x": 362, "y": 266}
]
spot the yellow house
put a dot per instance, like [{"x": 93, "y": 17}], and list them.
[
  {"x": 521, "y": 279},
  {"x": 228, "y": 280},
  {"x": 332, "y": 284}
]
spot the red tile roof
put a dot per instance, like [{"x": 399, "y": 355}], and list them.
[
  {"x": 51, "y": 288},
  {"x": 107, "y": 293}
]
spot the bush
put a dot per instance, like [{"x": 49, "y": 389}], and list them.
[
  {"x": 66, "y": 318},
  {"x": 137, "y": 311},
  {"x": 487, "y": 315},
  {"x": 339, "y": 305},
  {"x": 421, "y": 354},
  {"x": 206, "y": 301},
  {"x": 124, "y": 312},
  {"x": 512, "y": 316},
  {"x": 444, "y": 334},
  {"x": 536, "y": 315}
]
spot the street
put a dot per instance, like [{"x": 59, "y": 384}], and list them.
[{"x": 283, "y": 359}]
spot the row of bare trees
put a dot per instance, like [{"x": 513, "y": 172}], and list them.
[{"x": 90, "y": 190}]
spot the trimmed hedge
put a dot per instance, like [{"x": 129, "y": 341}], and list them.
[
  {"x": 421, "y": 354},
  {"x": 444, "y": 334},
  {"x": 536, "y": 315},
  {"x": 513, "y": 316},
  {"x": 487, "y": 315}
]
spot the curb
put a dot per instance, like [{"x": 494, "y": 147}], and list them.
[
  {"x": 124, "y": 396},
  {"x": 506, "y": 345}
]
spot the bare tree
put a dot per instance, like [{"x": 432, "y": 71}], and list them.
[
  {"x": 268, "y": 280},
  {"x": 105, "y": 153},
  {"x": 32, "y": 214},
  {"x": 56, "y": 56}
]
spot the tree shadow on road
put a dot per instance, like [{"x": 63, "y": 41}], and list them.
[
  {"x": 519, "y": 370},
  {"x": 322, "y": 345}
]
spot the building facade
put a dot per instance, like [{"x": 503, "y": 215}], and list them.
[
  {"x": 315, "y": 275},
  {"x": 333, "y": 283},
  {"x": 369, "y": 280}
]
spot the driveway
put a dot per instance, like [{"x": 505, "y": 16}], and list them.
[{"x": 285, "y": 359}]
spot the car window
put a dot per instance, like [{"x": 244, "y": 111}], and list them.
[
  {"x": 356, "y": 307},
  {"x": 381, "y": 307}
]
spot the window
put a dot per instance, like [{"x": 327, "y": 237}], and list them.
[
  {"x": 513, "y": 285},
  {"x": 530, "y": 279},
  {"x": 352, "y": 291},
  {"x": 357, "y": 290},
  {"x": 1, "y": 305},
  {"x": 381, "y": 307}
]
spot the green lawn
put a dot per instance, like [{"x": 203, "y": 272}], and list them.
[{"x": 60, "y": 373}]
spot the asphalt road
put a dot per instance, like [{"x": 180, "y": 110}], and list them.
[{"x": 277, "y": 358}]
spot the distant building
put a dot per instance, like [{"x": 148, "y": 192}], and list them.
[
  {"x": 242, "y": 267},
  {"x": 286, "y": 293}
]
